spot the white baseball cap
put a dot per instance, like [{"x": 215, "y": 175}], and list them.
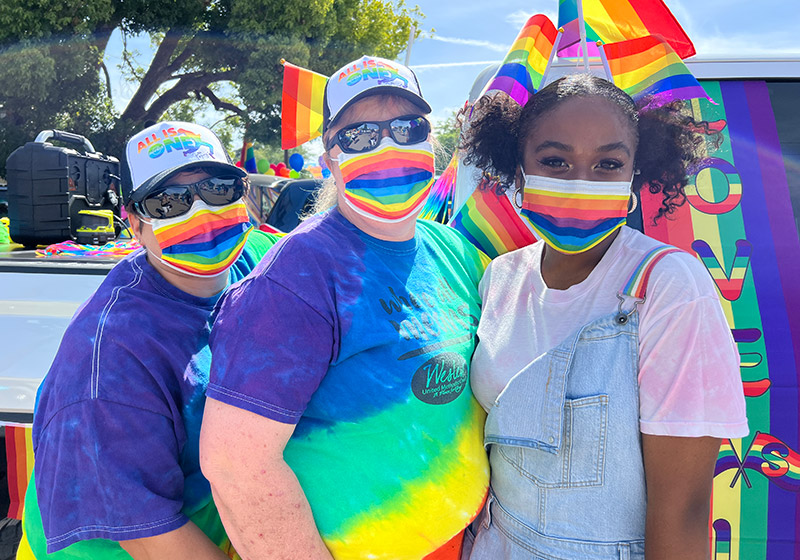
[
  {"x": 169, "y": 147},
  {"x": 369, "y": 75}
]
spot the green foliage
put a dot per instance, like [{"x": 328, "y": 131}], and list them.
[
  {"x": 221, "y": 55},
  {"x": 447, "y": 133}
]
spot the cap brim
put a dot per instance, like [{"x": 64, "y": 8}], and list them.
[
  {"x": 393, "y": 90},
  {"x": 156, "y": 180}
]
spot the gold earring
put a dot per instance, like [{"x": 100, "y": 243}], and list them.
[{"x": 635, "y": 203}]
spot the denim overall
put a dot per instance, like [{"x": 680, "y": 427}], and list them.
[{"x": 565, "y": 449}]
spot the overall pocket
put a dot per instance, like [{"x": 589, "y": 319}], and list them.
[{"x": 579, "y": 460}]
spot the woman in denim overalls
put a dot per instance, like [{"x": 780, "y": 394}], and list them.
[{"x": 605, "y": 361}]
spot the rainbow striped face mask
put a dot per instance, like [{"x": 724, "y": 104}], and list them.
[
  {"x": 573, "y": 216},
  {"x": 205, "y": 241},
  {"x": 390, "y": 183}
]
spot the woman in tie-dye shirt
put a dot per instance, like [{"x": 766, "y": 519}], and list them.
[
  {"x": 340, "y": 422},
  {"x": 117, "y": 422}
]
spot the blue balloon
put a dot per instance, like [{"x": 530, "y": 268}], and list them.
[
  {"x": 326, "y": 173},
  {"x": 296, "y": 161}
]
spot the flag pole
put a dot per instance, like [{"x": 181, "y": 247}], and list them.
[
  {"x": 411, "y": 34},
  {"x": 606, "y": 67},
  {"x": 552, "y": 56},
  {"x": 582, "y": 30}
]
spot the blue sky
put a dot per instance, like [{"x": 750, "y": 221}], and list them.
[
  {"x": 475, "y": 32},
  {"x": 469, "y": 35}
]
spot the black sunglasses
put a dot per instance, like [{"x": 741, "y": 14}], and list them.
[
  {"x": 175, "y": 200},
  {"x": 365, "y": 136}
]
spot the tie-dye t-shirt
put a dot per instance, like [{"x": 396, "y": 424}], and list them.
[
  {"x": 117, "y": 420},
  {"x": 365, "y": 344}
]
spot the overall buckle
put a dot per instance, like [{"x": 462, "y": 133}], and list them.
[{"x": 622, "y": 316}]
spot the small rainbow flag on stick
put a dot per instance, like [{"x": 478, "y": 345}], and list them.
[
  {"x": 301, "y": 105},
  {"x": 19, "y": 452},
  {"x": 439, "y": 206},
  {"x": 616, "y": 20},
  {"x": 521, "y": 73},
  {"x": 489, "y": 221},
  {"x": 248, "y": 158},
  {"x": 648, "y": 67}
]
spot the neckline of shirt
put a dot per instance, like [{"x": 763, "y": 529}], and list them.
[
  {"x": 551, "y": 295},
  {"x": 391, "y": 247},
  {"x": 167, "y": 289}
]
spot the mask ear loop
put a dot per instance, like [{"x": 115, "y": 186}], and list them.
[{"x": 520, "y": 190}]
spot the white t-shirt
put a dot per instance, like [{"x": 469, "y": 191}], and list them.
[{"x": 689, "y": 379}]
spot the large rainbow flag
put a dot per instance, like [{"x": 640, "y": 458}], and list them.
[
  {"x": 610, "y": 21},
  {"x": 739, "y": 222},
  {"x": 301, "y": 105},
  {"x": 647, "y": 67},
  {"x": 521, "y": 73}
]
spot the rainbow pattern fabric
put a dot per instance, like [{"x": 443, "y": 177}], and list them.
[
  {"x": 19, "y": 456},
  {"x": 388, "y": 183},
  {"x": 740, "y": 223},
  {"x": 637, "y": 284},
  {"x": 520, "y": 75},
  {"x": 439, "y": 206},
  {"x": 610, "y": 21},
  {"x": 488, "y": 220},
  {"x": 574, "y": 219},
  {"x": 207, "y": 241},
  {"x": 648, "y": 68},
  {"x": 117, "y": 249},
  {"x": 301, "y": 105}
]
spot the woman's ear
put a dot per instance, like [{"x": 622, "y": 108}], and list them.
[{"x": 136, "y": 225}]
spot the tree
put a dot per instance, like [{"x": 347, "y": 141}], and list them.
[
  {"x": 51, "y": 53},
  {"x": 447, "y": 133}
]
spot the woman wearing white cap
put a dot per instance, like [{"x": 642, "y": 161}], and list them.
[
  {"x": 117, "y": 421},
  {"x": 340, "y": 421}
]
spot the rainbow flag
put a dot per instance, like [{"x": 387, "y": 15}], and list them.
[
  {"x": 520, "y": 75},
  {"x": 301, "y": 105},
  {"x": 488, "y": 220},
  {"x": 439, "y": 206},
  {"x": 19, "y": 455},
  {"x": 610, "y": 21},
  {"x": 647, "y": 67},
  {"x": 248, "y": 157},
  {"x": 740, "y": 223}
]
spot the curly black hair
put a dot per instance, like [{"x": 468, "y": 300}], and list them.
[{"x": 669, "y": 140}]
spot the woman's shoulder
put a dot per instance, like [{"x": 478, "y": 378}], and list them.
[
  {"x": 449, "y": 240},
  {"x": 518, "y": 261},
  {"x": 679, "y": 273}
]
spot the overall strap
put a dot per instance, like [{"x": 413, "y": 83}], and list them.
[{"x": 636, "y": 286}]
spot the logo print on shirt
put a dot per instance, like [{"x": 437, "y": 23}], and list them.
[
  {"x": 429, "y": 324},
  {"x": 441, "y": 379}
]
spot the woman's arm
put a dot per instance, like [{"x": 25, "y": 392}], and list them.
[
  {"x": 186, "y": 543},
  {"x": 679, "y": 472},
  {"x": 260, "y": 501}
]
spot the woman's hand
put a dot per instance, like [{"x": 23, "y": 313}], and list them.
[{"x": 679, "y": 472}]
